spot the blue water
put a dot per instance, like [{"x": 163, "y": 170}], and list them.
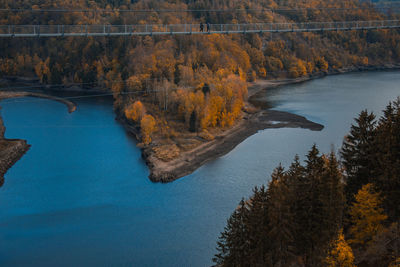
[{"x": 81, "y": 196}]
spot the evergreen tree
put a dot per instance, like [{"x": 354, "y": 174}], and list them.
[
  {"x": 257, "y": 221},
  {"x": 387, "y": 159},
  {"x": 280, "y": 220},
  {"x": 206, "y": 89},
  {"x": 192, "y": 122},
  {"x": 233, "y": 249},
  {"x": 298, "y": 220},
  {"x": 295, "y": 178},
  {"x": 357, "y": 153},
  {"x": 310, "y": 216},
  {"x": 332, "y": 197}
]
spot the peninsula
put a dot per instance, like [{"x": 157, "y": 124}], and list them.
[{"x": 182, "y": 154}]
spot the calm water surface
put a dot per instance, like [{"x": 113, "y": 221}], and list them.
[{"x": 81, "y": 195}]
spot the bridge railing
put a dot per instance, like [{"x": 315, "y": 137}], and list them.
[{"x": 103, "y": 30}]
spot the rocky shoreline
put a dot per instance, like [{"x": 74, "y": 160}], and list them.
[{"x": 11, "y": 150}]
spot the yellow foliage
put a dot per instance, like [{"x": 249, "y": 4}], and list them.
[
  {"x": 135, "y": 111},
  {"x": 148, "y": 126},
  {"x": 262, "y": 72},
  {"x": 321, "y": 63},
  {"x": 395, "y": 263},
  {"x": 366, "y": 216},
  {"x": 341, "y": 254},
  {"x": 206, "y": 135},
  {"x": 213, "y": 112},
  {"x": 297, "y": 68},
  {"x": 43, "y": 71}
]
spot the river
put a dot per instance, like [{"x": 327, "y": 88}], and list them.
[{"x": 81, "y": 195}]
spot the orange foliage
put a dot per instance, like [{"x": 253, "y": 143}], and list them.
[
  {"x": 135, "y": 111},
  {"x": 341, "y": 254},
  {"x": 366, "y": 215},
  {"x": 148, "y": 126}
]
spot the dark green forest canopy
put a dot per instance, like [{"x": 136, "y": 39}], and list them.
[{"x": 300, "y": 219}]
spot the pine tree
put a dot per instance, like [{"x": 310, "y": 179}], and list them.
[
  {"x": 295, "y": 178},
  {"x": 310, "y": 214},
  {"x": 387, "y": 158},
  {"x": 257, "y": 224},
  {"x": 332, "y": 198},
  {"x": 357, "y": 153},
  {"x": 233, "y": 249},
  {"x": 192, "y": 122},
  {"x": 280, "y": 220}
]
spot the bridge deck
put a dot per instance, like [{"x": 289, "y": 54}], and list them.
[{"x": 131, "y": 30}]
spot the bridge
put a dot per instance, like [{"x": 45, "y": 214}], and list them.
[{"x": 175, "y": 29}]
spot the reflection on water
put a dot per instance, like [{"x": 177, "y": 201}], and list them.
[{"x": 81, "y": 195}]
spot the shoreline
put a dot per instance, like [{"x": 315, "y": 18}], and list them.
[
  {"x": 191, "y": 160},
  {"x": 9, "y": 94},
  {"x": 11, "y": 150}
]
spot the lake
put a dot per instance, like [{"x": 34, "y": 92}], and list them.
[{"x": 81, "y": 196}]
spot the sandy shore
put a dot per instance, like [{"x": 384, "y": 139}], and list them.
[
  {"x": 189, "y": 161},
  {"x": 11, "y": 150}
]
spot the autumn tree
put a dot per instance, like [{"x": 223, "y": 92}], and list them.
[
  {"x": 367, "y": 216},
  {"x": 135, "y": 111},
  {"x": 340, "y": 254},
  {"x": 148, "y": 126}
]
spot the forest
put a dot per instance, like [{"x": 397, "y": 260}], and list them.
[
  {"x": 327, "y": 211},
  {"x": 174, "y": 88}
]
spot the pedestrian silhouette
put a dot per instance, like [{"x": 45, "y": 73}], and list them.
[
  {"x": 201, "y": 27},
  {"x": 208, "y": 26}
]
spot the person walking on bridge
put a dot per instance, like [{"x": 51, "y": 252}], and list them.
[
  {"x": 208, "y": 26},
  {"x": 201, "y": 27}
]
